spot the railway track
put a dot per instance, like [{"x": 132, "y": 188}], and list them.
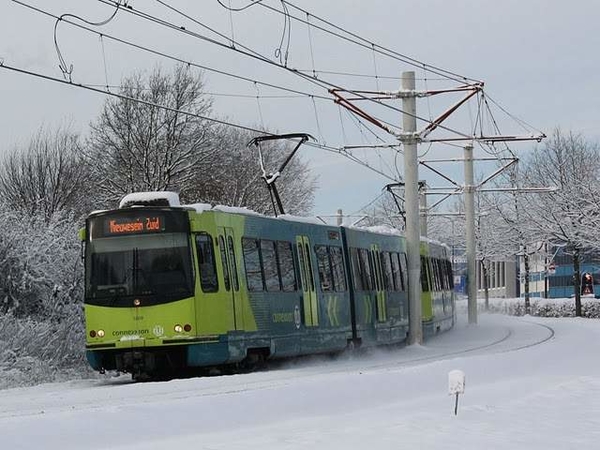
[{"x": 508, "y": 341}]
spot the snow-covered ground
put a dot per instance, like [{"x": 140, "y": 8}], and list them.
[{"x": 531, "y": 383}]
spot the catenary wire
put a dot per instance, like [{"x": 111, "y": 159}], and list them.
[
  {"x": 238, "y": 9},
  {"x": 255, "y": 55},
  {"x": 187, "y": 62},
  {"x": 327, "y": 148},
  {"x": 366, "y": 44},
  {"x": 67, "y": 71},
  {"x": 174, "y": 58},
  {"x": 310, "y": 95},
  {"x": 390, "y": 53}
]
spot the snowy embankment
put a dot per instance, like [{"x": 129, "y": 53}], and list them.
[
  {"x": 541, "y": 307},
  {"x": 531, "y": 383}
]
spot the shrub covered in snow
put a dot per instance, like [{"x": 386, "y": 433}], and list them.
[
  {"x": 557, "y": 307},
  {"x": 34, "y": 350},
  {"x": 41, "y": 317}
]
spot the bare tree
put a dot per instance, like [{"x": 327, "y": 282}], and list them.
[
  {"x": 571, "y": 164},
  {"x": 152, "y": 138},
  {"x": 46, "y": 176}
]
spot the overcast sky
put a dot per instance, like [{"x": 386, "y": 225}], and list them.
[{"x": 538, "y": 59}]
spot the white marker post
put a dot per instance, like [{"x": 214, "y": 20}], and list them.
[{"x": 456, "y": 385}]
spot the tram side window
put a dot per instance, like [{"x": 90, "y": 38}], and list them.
[
  {"x": 206, "y": 262},
  {"x": 365, "y": 265},
  {"x": 324, "y": 268},
  {"x": 397, "y": 272},
  {"x": 403, "y": 269},
  {"x": 424, "y": 274},
  {"x": 374, "y": 261},
  {"x": 386, "y": 268},
  {"x": 231, "y": 254},
  {"x": 450, "y": 275},
  {"x": 436, "y": 274},
  {"x": 223, "y": 252},
  {"x": 447, "y": 274},
  {"x": 431, "y": 274},
  {"x": 252, "y": 264},
  {"x": 311, "y": 280},
  {"x": 269, "y": 262},
  {"x": 441, "y": 274},
  {"x": 337, "y": 263},
  {"x": 356, "y": 272},
  {"x": 286, "y": 266}
]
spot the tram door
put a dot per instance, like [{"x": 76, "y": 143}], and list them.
[
  {"x": 309, "y": 294},
  {"x": 230, "y": 274}
]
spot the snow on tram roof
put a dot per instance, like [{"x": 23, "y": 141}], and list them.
[
  {"x": 303, "y": 219},
  {"x": 200, "y": 207},
  {"x": 381, "y": 229},
  {"x": 236, "y": 210},
  {"x": 165, "y": 198},
  {"x": 156, "y": 198}
]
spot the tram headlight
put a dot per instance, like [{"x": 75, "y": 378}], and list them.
[
  {"x": 178, "y": 328},
  {"x": 100, "y": 333}
]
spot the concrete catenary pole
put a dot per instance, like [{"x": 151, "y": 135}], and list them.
[
  {"x": 470, "y": 232},
  {"x": 411, "y": 203}
]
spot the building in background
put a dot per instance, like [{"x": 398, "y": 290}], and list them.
[
  {"x": 502, "y": 278},
  {"x": 552, "y": 275}
]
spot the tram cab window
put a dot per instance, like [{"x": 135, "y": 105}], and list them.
[{"x": 206, "y": 262}]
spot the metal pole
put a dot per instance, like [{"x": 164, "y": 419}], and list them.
[
  {"x": 470, "y": 232},
  {"x": 411, "y": 197}
]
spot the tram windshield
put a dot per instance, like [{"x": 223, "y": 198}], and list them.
[{"x": 156, "y": 267}]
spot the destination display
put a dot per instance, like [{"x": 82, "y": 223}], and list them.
[
  {"x": 139, "y": 222},
  {"x": 126, "y": 225}
]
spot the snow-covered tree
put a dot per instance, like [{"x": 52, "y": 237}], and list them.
[
  {"x": 516, "y": 236},
  {"x": 46, "y": 176},
  {"x": 41, "y": 263},
  {"x": 136, "y": 145},
  {"x": 571, "y": 164}
]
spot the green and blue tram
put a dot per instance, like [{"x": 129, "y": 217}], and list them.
[{"x": 169, "y": 287}]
